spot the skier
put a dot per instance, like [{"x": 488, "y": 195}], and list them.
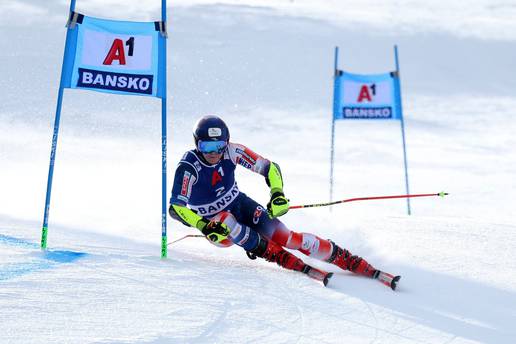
[{"x": 205, "y": 195}]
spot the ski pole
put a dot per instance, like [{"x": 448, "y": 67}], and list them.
[
  {"x": 440, "y": 194},
  {"x": 185, "y": 237}
]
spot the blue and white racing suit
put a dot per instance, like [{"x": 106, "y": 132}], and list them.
[{"x": 208, "y": 190}]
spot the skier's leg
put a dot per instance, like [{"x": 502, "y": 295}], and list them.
[
  {"x": 252, "y": 214},
  {"x": 326, "y": 250},
  {"x": 257, "y": 245},
  {"x": 273, "y": 252},
  {"x": 345, "y": 260}
]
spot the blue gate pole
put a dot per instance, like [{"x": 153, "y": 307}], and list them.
[
  {"x": 335, "y": 110},
  {"x": 44, "y": 231},
  {"x": 398, "y": 104},
  {"x": 164, "y": 142}
]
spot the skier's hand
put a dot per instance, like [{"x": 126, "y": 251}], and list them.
[
  {"x": 278, "y": 205},
  {"x": 215, "y": 231}
]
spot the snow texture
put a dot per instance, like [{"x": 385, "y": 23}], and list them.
[{"x": 266, "y": 67}]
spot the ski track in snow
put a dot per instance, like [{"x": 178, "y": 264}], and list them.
[{"x": 357, "y": 313}]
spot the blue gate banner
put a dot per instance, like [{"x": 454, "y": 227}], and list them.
[
  {"x": 367, "y": 96},
  {"x": 114, "y": 56},
  {"x": 119, "y": 57}
]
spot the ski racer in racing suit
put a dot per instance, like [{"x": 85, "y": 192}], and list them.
[{"x": 205, "y": 195}]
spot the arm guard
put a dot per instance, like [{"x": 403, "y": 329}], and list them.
[{"x": 274, "y": 179}]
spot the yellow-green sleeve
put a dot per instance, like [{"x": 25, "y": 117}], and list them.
[
  {"x": 187, "y": 216},
  {"x": 274, "y": 178}
]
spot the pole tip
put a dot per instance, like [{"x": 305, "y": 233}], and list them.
[{"x": 442, "y": 194}]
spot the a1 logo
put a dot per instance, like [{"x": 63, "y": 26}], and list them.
[
  {"x": 117, "y": 51},
  {"x": 366, "y": 92}
]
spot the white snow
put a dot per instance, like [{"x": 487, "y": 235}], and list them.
[{"x": 266, "y": 67}]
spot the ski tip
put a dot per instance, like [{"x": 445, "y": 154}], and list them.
[
  {"x": 327, "y": 278},
  {"x": 394, "y": 282}
]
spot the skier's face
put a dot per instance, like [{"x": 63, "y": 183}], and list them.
[
  {"x": 212, "y": 151},
  {"x": 212, "y": 157}
]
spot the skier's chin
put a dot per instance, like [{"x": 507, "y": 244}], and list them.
[{"x": 212, "y": 158}]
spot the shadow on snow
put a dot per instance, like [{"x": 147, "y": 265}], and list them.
[{"x": 32, "y": 260}]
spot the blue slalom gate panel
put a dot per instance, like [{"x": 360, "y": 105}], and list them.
[
  {"x": 114, "y": 56},
  {"x": 366, "y": 96}
]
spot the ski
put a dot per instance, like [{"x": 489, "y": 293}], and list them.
[
  {"x": 387, "y": 279},
  {"x": 317, "y": 274}
]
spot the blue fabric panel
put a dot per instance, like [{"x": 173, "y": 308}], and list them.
[
  {"x": 373, "y": 96},
  {"x": 116, "y": 57}
]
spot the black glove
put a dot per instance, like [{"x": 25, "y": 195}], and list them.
[
  {"x": 215, "y": 231},
  {"x": 278, "y": 205}
]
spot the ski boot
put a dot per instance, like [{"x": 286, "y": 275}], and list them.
[
  {"x": 272, "y": 252},
  {"x": 344, "y": 260}
]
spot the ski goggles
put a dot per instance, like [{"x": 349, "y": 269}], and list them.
[{"x": 207, "y": 147}]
